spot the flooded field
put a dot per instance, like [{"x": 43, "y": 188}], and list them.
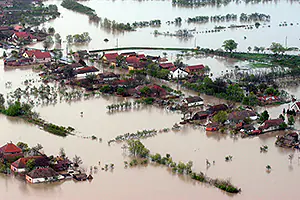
[
  {"x": 130, "y": 11},
  {"x": 247, "y": 170}
]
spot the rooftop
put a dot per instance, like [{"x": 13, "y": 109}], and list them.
[
  {"x": 42, "y": 173},
  {"x": 10, "y": 148}
]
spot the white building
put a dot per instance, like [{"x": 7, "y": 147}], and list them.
[
  {"x": 178, "y": 73},
  {"x": 42, "y": 175},
  {"x": 193, "y": 101}
]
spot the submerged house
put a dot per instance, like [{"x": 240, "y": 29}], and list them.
[
  {"x": 237, "y": 116},
  {"x": 110, "y": 58},
  {"x": 41, "y": 175},
  {"x": 20, "y": 165},
  {"x": 177, "y": 73},
  {"x": 193, "y": 101},
  {"x": 271, "y": 124},
  {"x": 295, "y": 106},
  {"x": 168, "y": 65},
  {"x": 10, "y": 151},
  {"x": 217, "y": 108},
  {"x": 195, "y": 69},
  {"x": 200, "y": 115}
]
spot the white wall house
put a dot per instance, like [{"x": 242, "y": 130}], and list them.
[
  {"x": 193, "y": 101},
  {"x": 41, "y": 175},
  {"x": 178, "y": 73}
]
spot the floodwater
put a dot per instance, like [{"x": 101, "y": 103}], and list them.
[
  {"x": 130, "y": 11},
  {"x": 246, "y": 170}
]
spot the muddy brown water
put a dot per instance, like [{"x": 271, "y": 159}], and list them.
[{"x": 247, "y": 169}]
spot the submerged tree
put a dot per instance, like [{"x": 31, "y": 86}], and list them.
[
  {"x": 77, "y": 161},
  {"x": 229, "y": 45},
  {"x": 136, "y": 148}
]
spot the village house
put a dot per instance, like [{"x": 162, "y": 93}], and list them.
[
  {"x": 10, "y": 151},
  {"x": 289, "y": 140},
  {"x": 133, "y": 62},
  {"x": 108, "y": 76},
  {"x": 20, "y": 165},
  {"x": 217, "y": 108},
  {"x": 110, "y": 58},
  {"x": 195, "y": 69},
  {"x": 41, "y": 57},
  {"x": 272, "y": 124},
  {"x": 85, "y": 70},
  {"x": 37, "y": 56},
  {"x": 127, "y": 54},
  {"x": 177, "y": 73},
  {"x": 193, "y": 101},
  {"x": 61, "y": 164},
  {"x": 168, "y": 65},
  {"x": 295, "y": 106},
  {"x": 238, "y": 116},
  {"x": 19, "y": 36},
  {"x": 200, "y": 115},
  {"x": 41, "y": 175},
  {"x": 269, "y": 99}
]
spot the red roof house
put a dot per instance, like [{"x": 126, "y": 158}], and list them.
[
  {"x": 194, "y": 68},
  {"x": 10, "y": 151},
  {"x": 23, "y": 35},
  {"x": 111, "y": 57},
  {"x": 271, "y": 124},
  {"x": 86, "y": 70},
  {"x": 41, "y": 57},
  {"x": 167, "y": 65},
  {"x": 20, "y": 164}
]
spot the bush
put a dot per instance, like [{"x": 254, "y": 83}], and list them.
[{"x": 149, "y": 100}]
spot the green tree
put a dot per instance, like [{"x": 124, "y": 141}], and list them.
[
  {"x": 291, "y": 120},
  {"x": 77, "y": 161},
  {"x": 145, "y": 91},
  {"x": 282, "y": 117},
  {"x": 277, "y": 48},
  {"x": 120, "y": 91},
  {"x": 48, "y": 42},
  {"x": 57, "y": 38},
  {"x": 51, "y": 30},
  {"x": 68, "y": 72},
  {"x": 62, "y": 152},
  {"x": 256, "y": 49},
  {"x": 235, "y": 93},
  {"x": 30, "y": 165},
  {"x": 264, "y": 116},
  {"x": 229, "y": 45},
  {"x": 136, "y": 148},
  {"x": 23, "y": 146},
  {"x": 163, "y": 74},
  {"x": 220, "y": 117},
  {"x": 2, "y": 101},
  {"x": 4, "y": 54},
  {"x": 69, "y": 39},
  {"x": 91, "y": 77},
  {"x": 250, "y": 100}
]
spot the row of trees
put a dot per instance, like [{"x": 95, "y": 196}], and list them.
[
  {"x": 78, "y": 38},
  {"x": 137, "y": 149},
  {"x": 276, "y": 48},
  {"x": 74, "y": 5}
]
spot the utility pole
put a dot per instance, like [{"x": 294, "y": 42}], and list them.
[{"x": 286, "y": 41}]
